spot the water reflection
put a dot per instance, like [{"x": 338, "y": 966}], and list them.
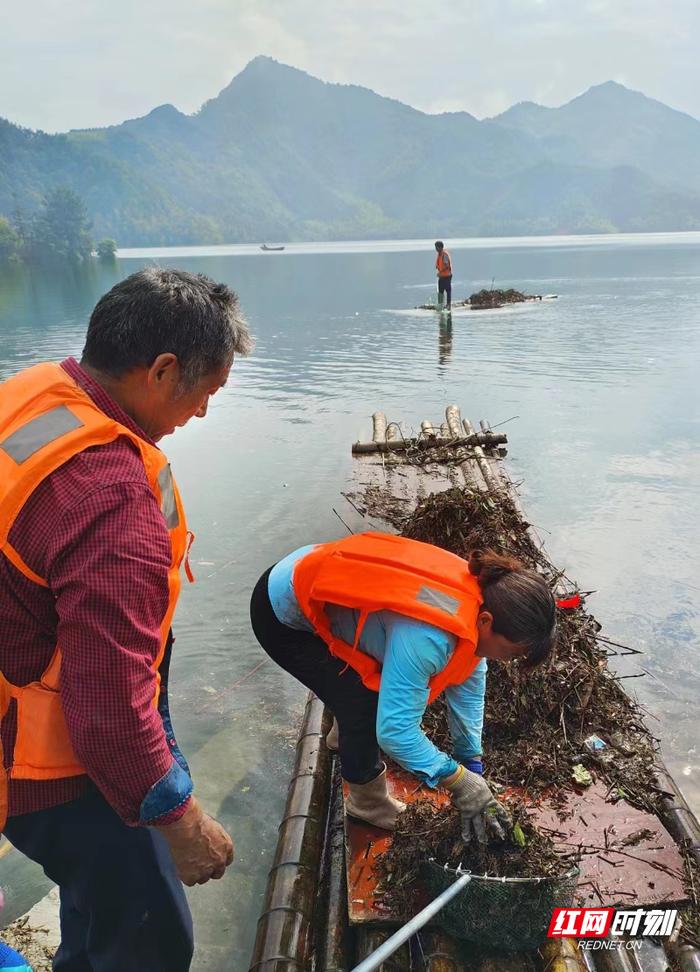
[{"x": 444, "y": 339}]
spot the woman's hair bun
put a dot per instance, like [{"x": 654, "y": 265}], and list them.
[{"x": 489, "y": 567}]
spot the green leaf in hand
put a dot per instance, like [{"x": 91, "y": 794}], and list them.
[{"x": 518, "y": 835}]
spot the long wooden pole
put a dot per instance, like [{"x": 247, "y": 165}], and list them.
[{"x": 488, "y": 439}]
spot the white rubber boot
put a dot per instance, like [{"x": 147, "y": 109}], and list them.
[
  {"x": 371, "y": 802},
  {"x": 332, "y": 742}
]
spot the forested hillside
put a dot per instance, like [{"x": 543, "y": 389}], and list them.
[{"x": 279, "y": 155}]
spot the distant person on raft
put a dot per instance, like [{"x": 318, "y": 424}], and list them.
[
  {"x": 443, "y": 266},
  {"x": 378, "y": 626}
]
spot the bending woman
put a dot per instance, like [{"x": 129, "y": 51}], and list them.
[{"x": 378, "y": 626}]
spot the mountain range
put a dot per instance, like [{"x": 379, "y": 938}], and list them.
[{"x": 280, "y": 155}]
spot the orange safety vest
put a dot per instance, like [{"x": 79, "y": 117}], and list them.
[
  {"x": 443, "y": 264},
  {"x": 381, "y": 572},
  {"x": 45, "y": 420}
]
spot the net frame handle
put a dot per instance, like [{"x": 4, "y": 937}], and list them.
[{"x": 395, "y": 942}]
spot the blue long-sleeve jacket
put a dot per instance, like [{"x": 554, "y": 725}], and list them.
[{"x": 410, "y": 653}]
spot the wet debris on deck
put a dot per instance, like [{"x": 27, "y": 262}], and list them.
[{"x": 425, "y": 831}]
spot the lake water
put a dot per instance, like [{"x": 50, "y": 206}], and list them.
[{"x": 604, "y": 384}]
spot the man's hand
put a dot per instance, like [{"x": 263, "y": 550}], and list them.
[
  {"x": 200, "y": 846},
  {"x": 480, "y": 812}
]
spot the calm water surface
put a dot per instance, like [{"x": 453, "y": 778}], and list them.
[{"x": 604, "y": 382}]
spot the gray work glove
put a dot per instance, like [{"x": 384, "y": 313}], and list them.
[{"x": 480, "y": 812}]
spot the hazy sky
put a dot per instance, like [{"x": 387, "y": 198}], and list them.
[{"x": 79, "y": 63}]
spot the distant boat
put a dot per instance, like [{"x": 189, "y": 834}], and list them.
[{"x": 270, "y": 249}]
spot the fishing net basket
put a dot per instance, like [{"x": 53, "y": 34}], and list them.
[{"x": 512, "y": 914}]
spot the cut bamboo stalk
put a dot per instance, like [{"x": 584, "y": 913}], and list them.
[
  {"x": 454, "y": 421},
  {"x": 480, "y": 457},
  {"x": 379, "y": 427}
]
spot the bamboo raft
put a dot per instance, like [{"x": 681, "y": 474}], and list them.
[{"x": 308, "y": 920}]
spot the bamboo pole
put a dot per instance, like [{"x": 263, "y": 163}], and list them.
[
  {"x": 613, "y": 960},
  {"x": 688, "y": 958},
  {"x": 562, "y": 955},
  {"x": 285, "y": 928},
  {"x": 677, "y": 816},
  {"x": 507, "y": 962},
  {"x": 480, "y": 456},
  {"x": 393, "y": 444},
  {"x": 370, "y": 938},
  {"x": 333, "y": 953},
  {"x": 439, "y": 952},
  {"x": 650, "y": 956}
]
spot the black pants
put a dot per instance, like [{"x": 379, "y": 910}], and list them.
[
  {"x": 306, "y": 657},
  {"x": 123, "y": 907},
  {"x": 445, "y": 287}
]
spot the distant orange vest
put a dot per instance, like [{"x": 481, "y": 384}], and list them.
[
  {"x": 381, "y": 572},
  {"x": 443, "y": 264},
  {"x": 45, "y": 420}
]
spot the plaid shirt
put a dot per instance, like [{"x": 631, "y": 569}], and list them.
[{"x": 93, "y": 529}]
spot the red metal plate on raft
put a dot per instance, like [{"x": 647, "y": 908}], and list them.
[
  {"x": 651, "y": 871},
  {"x": 644, "y": 873}
]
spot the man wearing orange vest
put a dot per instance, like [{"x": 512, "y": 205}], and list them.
[
  {"x": 378, "y": 626},
  {"x": 443, "y": 268},
  {"x": 92, "y": 539}
]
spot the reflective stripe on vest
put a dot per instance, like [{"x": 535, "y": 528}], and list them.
[
  {"x": 372, "y": 572},
  {"x": 168, "y": 505},
  {"x": 39, "y": 432},
  {"x": 45, "y": 420}
]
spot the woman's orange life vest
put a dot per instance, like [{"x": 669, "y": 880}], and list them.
[
  {"x": 443, "y": 264},
  {"x": 381, "y": 572},
  {"x": 45, "y": 420}
]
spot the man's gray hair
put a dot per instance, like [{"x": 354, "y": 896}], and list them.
[{"x": 159, "y": 310}]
